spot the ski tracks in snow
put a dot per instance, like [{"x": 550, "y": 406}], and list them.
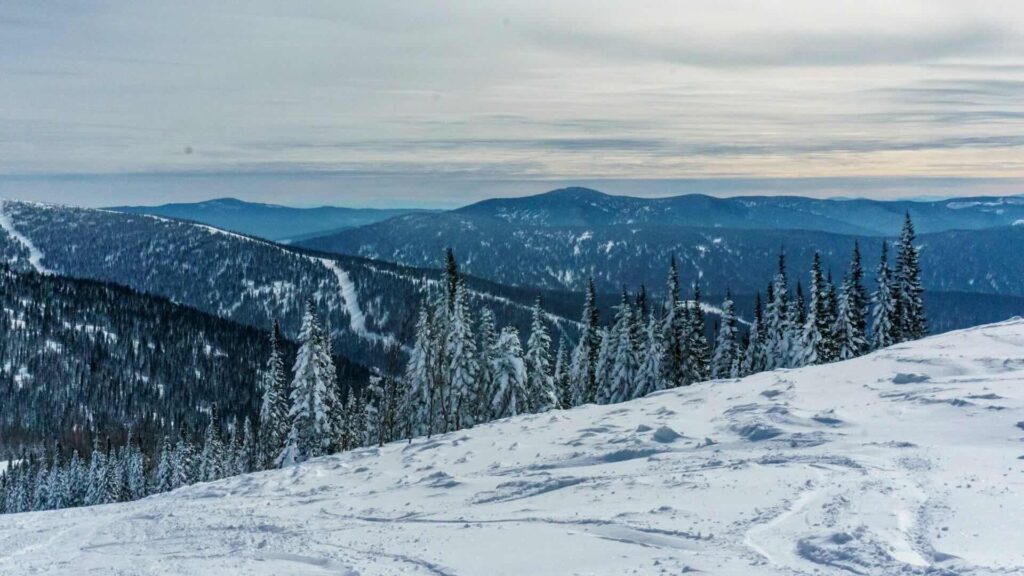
[
  {"x": 350, "y": 299},
  {"x": 35, "y": 255}
]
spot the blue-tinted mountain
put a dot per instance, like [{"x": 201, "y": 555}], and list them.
[
  {"x": 589, "y": 208},
  {"x": 557, "y": 240},
  {"x": 268, "y": 220}
]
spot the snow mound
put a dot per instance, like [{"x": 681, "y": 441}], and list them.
[{"x": 903, "y": 461}]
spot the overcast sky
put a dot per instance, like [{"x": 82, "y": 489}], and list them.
[{"x": 382, "y": 102}]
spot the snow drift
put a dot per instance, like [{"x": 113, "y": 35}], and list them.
[{"x": 905, "y": 461}]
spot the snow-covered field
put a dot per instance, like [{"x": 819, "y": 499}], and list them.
[{"x": 906, "y": 461}]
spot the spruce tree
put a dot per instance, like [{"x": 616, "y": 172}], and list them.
[
  {"x": 541, "y": 392},
  {"x": 563, "y": 383},
  {"x": 488, "y": 350},
  {"x": 509, "y": 376},
  {"x": 674, "y": 333},
  {"x": 274, "y": 408},
  {"x": 163, "y": 480},
  {"x": 912, "y": 323},
  {"x": 462, "y": 402},
  {"x": 625, "y": 362},
  {"x": 698, "y": 350},
  {"x": 416, "y": 397},
  {"x": 816, "y": 328},
  {"x": 859, "y": 300},
  {"x": 723, "y": 364},
  {"x": 884, "y": 323},
  {"x": 582, "y": 374},
  {"x": 777, "y": 318},
  {"x": 312, "y": 430},
  {"x": 850, "y": 340}
]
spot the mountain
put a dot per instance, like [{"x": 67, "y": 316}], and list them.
[
  {"x": 743, "y": 260},
  {"x": 267, "y": 220},
  {"x": 905, "y": 461},
  {"x": 368, "y": 305},
  {"x": 583, "y": 207},
  {"x": 79, "y": 355}
]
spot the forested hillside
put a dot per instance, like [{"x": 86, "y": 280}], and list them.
[
  {"x": 365, "y": 304},
  {"x": 563, "y": 257},
  {"x": 81, "y": 358}
]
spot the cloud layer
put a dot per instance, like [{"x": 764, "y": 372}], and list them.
[{"x": 378, "y": 95}]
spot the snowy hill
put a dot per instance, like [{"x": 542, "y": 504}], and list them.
[{"x": 903, "y": 461}]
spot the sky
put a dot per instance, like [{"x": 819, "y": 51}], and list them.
[{"x": 397, "y": 103}]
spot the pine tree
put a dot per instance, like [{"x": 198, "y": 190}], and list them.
[
  {"x": 416, "y": 399},
  {"x": 850, "y": 340},
  {"x": 460, "y": 409},
  {"x": 674, "y": 333},
  {"x": 816, "y": 328},
  {"x": 488, "y": 349},
  {"x": 884, "y": 322},
  {"x": 163, "y": 481},
  {"x": 755, "y": 355},
  {"x": 726, "y": 351},
  {"x": 540, "y": 385},
  {"x": 312, "y": 430},
  {"x": 582, "y": 374},
  {"x": 648, "y": 377},
  {"x": 211, "y": 458},
  {"x": 777, "y": 317},
  {"x": 274, "y": 406},
  {"x": 698, "y": 351},
  {"x": 509, "y": 376},
  {"x": 859, "y": 300},
  {"x": 625, "y": 362},
  {"x": 912, "y": 323}
]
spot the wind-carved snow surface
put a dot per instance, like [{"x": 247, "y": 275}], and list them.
[
  {"x": 906, "y": 461},
  {"x": 35, "y": 255}
]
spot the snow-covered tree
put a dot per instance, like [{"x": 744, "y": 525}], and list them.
[
  {"x": 723, "y": 363},
  {"x": 649, "y": 374},
  {"x": 274, "y": 409},
  {"x": 674, "y": 333},
  {"x": 625, "y": 362},
  {"x": 850, "y": 340},
  {"x": 313, "y": 425},
  {"x": 416, "y": 399},
  {"x": 582, "y": 374},
  {"x": 510, "y": 393},
  {"x": 884, "y": 322},
  {"x": 777, "y": 318},
  {"x": 540, "y": 382},
  {"x": 816, "y": 328},
  {"x": 463, "y": 367},
  {"x": 563, "y": 386},
  {"x": 488, "y": 352},
  {"x": 912, "y": 322}
]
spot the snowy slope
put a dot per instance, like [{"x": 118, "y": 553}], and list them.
[{"x": 905, "y": 461}]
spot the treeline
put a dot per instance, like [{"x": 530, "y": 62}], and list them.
[{"x": 463, "y": 371}]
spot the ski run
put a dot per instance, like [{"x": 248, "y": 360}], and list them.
[{"x": 904, "y": 461}]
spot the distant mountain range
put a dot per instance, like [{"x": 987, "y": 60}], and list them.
[
  {"x": 570, "y": 207},
  {"x": 556, "y": 240},
  {"x": 279, "y": 223}
]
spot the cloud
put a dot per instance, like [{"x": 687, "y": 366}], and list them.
[
  {"x": 511, "y": 91},
  {"x": 782, "y": 49}
]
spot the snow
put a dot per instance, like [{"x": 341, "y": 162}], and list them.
[
  {"x": 349, "y": 296},
  {"x": 35, "y": 256},
  {"x": 903, "y": 461}
]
